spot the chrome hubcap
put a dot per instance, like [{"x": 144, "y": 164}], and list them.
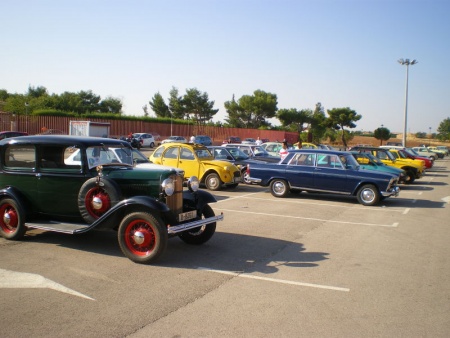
[{"x": 138, "y": 237}]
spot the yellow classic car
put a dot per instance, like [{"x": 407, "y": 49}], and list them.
[
  {"x": 197, "y": 160},
  {"x": 400, "y": 157}
]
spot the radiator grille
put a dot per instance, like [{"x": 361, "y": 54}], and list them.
[{"x": 175, "y": 202}]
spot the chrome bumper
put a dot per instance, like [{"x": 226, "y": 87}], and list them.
[
  {"x": 195, "y": 224},
  {"x": 393, "y": 192},
  {"x": 254, "y": 180}
]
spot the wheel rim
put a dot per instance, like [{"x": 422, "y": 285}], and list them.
[
  {"x": 140, "y": 237},
  {"x": 279, "y": 188},
  {"x": 213, "y": 182},
  {"x": 97, "y": 202},
  {"x": 246, "y": 178},
  {"x": 368, "y": 195},
  {"x": 10, "y": 219}
]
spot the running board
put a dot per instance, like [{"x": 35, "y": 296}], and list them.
[{"x": 66, "y": 228}]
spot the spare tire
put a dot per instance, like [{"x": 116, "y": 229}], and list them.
[{"x": 96, "y": 197}]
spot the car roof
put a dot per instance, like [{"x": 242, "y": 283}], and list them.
[
  {"x": 65, "y": 139},
  {"x": 318, "y": 151}
]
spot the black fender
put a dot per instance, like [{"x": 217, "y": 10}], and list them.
[
  {"x": 113, "y": 216},
  {"x": 22, "y": 202},
  {"x": 198, "y": 199}
]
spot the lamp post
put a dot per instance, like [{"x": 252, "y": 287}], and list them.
[
  {"x": 407, "y": 63},
  {"x": 26, "y": 116}
]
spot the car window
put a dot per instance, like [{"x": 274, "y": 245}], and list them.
[
  {"x": 20, "y": 157},
  {"x": 204, "y": 154},
  {"x": 172, "y": 153},
  {"x": 158, "y": 152},
  {"x": 221, "y": 154},
  {"x": 187, "y": 154},
  {"x": 100, "y": 155},
  {"x": 238, "y": 154},
  {"x": 59, "y": 158},
  {"x": 303, "y": 159}
]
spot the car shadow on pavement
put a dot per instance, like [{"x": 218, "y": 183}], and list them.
[
  {"x": 241, "y": 254},
  {"x": 225, "y": 251}
]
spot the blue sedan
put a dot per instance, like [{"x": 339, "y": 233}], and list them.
[{"x": 316, "y": 170}]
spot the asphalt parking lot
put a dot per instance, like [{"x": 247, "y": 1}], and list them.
[{"x": 309, "y": 265}]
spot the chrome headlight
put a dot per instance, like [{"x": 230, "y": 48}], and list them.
[
  {"x": 168, "y": 186},
  {"x": 193, "y": 183}
]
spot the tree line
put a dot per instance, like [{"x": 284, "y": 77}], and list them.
[{"x": 249, "y": 111}]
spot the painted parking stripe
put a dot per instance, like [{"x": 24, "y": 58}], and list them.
[
  {"x": 393, "y": 225},
  {"x": 282, "y": 281},
  {"x": 285, "y": 201},
  {"x": 23, "y": 280}
]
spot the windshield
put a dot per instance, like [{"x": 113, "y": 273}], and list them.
[
  {"x": 260, "y": 151},
  {"x": 204, "y": 154},
  {"x": 349, "y": 161},
  {"x": 238, "y": 154},
  {"x": 375, "y": 159},
  {"x": 102, "y": 155},
  {"x": 412, "y": 151}
]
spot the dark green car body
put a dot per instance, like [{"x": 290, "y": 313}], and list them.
[{"x": 44, "y": 186}]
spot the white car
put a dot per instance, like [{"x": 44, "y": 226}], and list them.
[
  {"x": 116, "y": 155},
  {"x": 424, "y": 151},
  {"x": 179, "y": 139},
  {"x": 146, "y": 139}
]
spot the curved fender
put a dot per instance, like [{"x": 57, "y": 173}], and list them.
[
  {"x": 16, "y": 195},
  {"x": 135, "y": 201},
  {"x": 199, "y": 198}
]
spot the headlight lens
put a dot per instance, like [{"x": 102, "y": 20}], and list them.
[
  {"x": 193, "y": 183},
  {"x": 168, "y": 186}
]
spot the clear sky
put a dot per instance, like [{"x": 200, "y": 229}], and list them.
[{"x": 341, "y": 53}]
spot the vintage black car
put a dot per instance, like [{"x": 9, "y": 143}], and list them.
[{"x": 42, "y": 187}]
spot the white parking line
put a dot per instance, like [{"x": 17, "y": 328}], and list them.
[
  {"x": 394, "y": 225},
  {"x": 282, "y": 281},
  {"x": 285, "y": 201},
  {"x": 20, "y": 280}
]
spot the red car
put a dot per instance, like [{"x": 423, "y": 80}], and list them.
[{"x": 428, "y": 162}]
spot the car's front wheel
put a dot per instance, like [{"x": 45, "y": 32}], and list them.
[
  {"x": 152, "y": 145},
  {"x": 279, "y": 188},
  {"x": 368, "y": 195},
  {"x": 142, "y": 237},
  {"x": 410, "y": 177},
  {"x": 201, "y": 234},
  {"x": 213, "y": 182},
  {"x": 12, "y": 220}
]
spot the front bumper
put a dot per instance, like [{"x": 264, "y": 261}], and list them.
[
  {"x": 391, "y": 192},
  {"x": 194, "y": 224}
]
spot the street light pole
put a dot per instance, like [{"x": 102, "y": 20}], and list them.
[
  {"x": 406, "y": 63},
  {"x": 26, "y": 116}
]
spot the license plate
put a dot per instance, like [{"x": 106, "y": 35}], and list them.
[{"x": 187, "y": 215}]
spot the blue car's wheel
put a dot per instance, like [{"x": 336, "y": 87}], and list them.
[
  {"x": 368, "y": 195},
  {"x": 279, "y": 188}
]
